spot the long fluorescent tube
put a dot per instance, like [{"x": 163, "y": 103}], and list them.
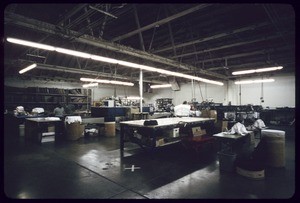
[
  {"x": 256, "y": 70},
  {"x": 160, "y": 86},
  {"x": 73, "y": 53},
  {"x": 106, "y": 81},
  {"x": 27, "y": 68},
  {"x": 90, "y": 85},
  {"x": 110, "y": 60},
  {"x": 269, "y": 69},
  {"x": 253, "y": 81},
  {"x": 30, "y": 44},
  {"x": 133, "y": 98}
]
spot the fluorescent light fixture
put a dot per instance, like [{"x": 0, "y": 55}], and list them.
[
  {"x": 73, "y": 53},
  {"x": 253, "y": 81},
  {"x": 269, "y": 69},
  {"x": 133, "y": 97},
  {"x": 110, "y": 60},
  {"x": 27, "y": 68},
  {"x": 256, "y": 70},
  {"x": 107, "y": 81},
  {"x": 161, "y": 86},
  {"x": 30, "y": 44},
  {"x": 104, "y": 59},
  {"x": 90, "y": 85}
]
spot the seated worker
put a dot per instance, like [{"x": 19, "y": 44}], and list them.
[
  {"x": 182, "y": 109},
  {"x": 258, "y": 124},
  {"x": 59, "y": 111},
  {"x": 256, "y": 127}
]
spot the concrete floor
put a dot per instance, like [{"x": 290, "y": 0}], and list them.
[{"x": 91, "y": 168}]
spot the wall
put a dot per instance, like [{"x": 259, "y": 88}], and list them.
[
  {"x": 202, "y": 92},
  {"x": 280, "y": 93},
  {"x": 108, "y": 91}
]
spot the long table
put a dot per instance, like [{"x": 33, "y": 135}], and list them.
[{"x": 161, "y": 134}]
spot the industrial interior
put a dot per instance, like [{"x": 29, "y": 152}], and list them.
[{"x": 149, "y": 101}]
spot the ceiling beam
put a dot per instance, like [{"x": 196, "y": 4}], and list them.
[
  {"x": 81, "y": 71},
  {"x": 266, "y": 51},
  {"x": 227, "y": 46},
  {"x": 72, "y": 35},
  {"x": 236, "y": 56},
  {"x": 161, "y": 22},
  {"x": 224, "y": 34}
]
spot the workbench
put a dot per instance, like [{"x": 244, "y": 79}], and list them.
[
  {"x": 167, "y": 131},
  {"x": 35, "y": 127}
]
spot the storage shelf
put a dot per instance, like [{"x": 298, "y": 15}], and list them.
[
  {"x": 31, "y": 93},
  {"x": 74, "y": 95},
  {"x": 45, "y": 97}
]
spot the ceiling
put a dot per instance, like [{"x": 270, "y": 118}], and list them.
[{"x": 206, "y": 40}]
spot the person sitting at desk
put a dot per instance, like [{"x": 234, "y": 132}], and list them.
[
  {"x": 258, "y": 124},
  {"x": 256, "y": 127},
  {"x": 59, "y": 111},
  {"x": 182, "y": 110}
]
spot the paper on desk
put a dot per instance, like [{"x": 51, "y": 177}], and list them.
[
  {"x": 52, "y": 118},
  {"x": 238, "y": 128},
  {"x": 73, "y": 119}
]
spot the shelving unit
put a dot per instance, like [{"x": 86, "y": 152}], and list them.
[
  {"x": 162, "y": 103},
  {"x": 46, "y": 98}
]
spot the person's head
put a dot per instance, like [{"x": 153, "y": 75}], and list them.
[
  {"x": 240, "y": 119},
  {"x": 185, "y": 102},
  {"x": 59, "y": 105}
]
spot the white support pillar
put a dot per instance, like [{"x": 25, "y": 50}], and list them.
[{"x": 141, "y": 90}]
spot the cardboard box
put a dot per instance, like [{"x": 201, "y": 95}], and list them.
[
  {"x": 224, "y": 126},
  {"x": 160, "y": 142},
  {"x": 74, "y": 131},
  {"x": 197, "y": 131},
  {"x": 51, "y": 128}
]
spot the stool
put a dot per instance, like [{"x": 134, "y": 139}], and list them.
[{"x": 274, "y": 147}]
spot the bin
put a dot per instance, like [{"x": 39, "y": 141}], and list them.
[
  {"x": 227, "y": 161},
  {"x": 110, "y": 129},
  {"x": 274, "y": 147}
]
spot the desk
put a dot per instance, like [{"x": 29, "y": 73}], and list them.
[
  {"x": 235, "y": 143},
  {"x": 34, "y": 127},
  {"x": 12, "y": 122},
  {"x": 109, "y": 113},
  {"x": 160, "y": 115},
  {"x": 228, "y": 140},
  {"x": 161, "y": 134},
  {"x": 140, "y": 115}
]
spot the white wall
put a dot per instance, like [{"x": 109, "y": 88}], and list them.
[
  {"x": 108, "y": 91},
  {"x": 202, "y": 92},
  {"x": 280, "y": 93}
]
